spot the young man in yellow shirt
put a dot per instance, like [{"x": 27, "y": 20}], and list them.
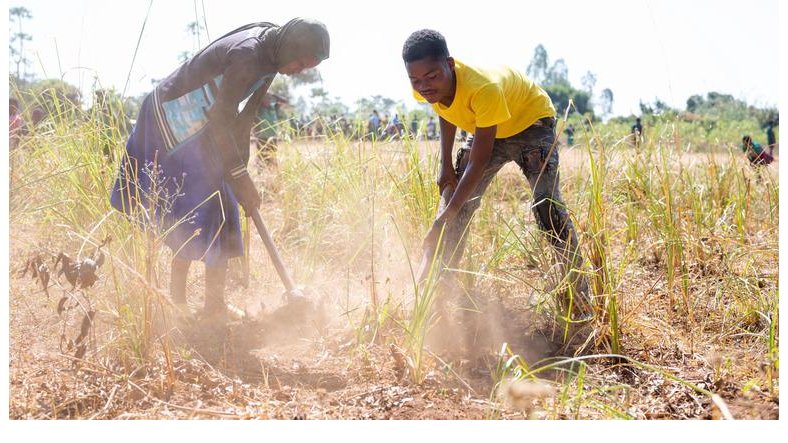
[{"x": 509, "y": 118}]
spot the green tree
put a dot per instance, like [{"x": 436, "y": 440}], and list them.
[
  {"x": 538, "y": 68},
  {"x": 281, "y": 87},
  {"x": 589, "y": 81},
  {"x": 606, "y": 102},
  {"x": 558, "y": 73},
  {"x": 561, "y": 93},
  {"x": 56, "y": 96},
  {"x": 132, "y": 105},
  {"x": 284, "y": 86},
  {"x": 661, "y": 107},
  {"x": 554, "y": 79},
  {"x": 716, "y": 106},
  {"x": 365, "y": 106},
  {"x": 306, "y": 77},
  {"x": 695, "y": 103},
  {"x": 645, "y": 108},
  {"x": 658, "y": 107},
  {"x": 194, "y": 29},
  {"x": 111, "y": 110},
  {"x": 326, "y": 106},
  {"x": 19, "y": 15}
]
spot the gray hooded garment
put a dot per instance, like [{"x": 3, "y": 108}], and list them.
[{"x": 206, "y": 91}]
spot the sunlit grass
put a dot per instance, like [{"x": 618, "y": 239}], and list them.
[{"x": 698, "y": 228}]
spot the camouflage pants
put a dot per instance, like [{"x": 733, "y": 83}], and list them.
[{"x": 536, "y": 153}]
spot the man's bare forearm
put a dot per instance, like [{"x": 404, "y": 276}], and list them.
[
  {"x": 448, "y": 132},
  {"x": 481, "y": 152}
]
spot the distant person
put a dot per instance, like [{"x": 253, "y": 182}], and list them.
[
  {"x": 265, "y": 130},
  {"x": 570, "y": 135},
  {"x": 755, "y": 152},
  {"x": 111, "y": 123},
  {"x": 431, "y": 129},
  {"x": 190, "y": 146},
  {"x": 316, "y": 127},
  {"x": 384, "y": 125},
  {"x": 395, "y": 127},
  {"x": 508, "y": 118},
  {"x": 414, "y": 127},
  {"x": 373, "y": 123},
  {"x": 16, "y": 124},
  {"x": 344, "y": 127},
  {"x": 637, "y": 133},
  {"x": 37, "y": 116},
  {"x": 397, "y": 122},
  {"x": 771, "y": 140}
]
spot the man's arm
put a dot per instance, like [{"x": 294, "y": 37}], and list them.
[
  {"x": 481, "y": 152},
  {"x": 447, "y": 175}
]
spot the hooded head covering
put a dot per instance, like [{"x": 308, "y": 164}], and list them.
[{"x": 301, "y": 38}]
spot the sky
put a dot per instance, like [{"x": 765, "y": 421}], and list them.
[{"x": 640, "y": 49}]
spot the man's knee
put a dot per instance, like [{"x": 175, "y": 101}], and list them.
[
  {"x": 471, "y": 206},
  {"x": 552, "y": 219},
  {"x": 458, "y": 227}
]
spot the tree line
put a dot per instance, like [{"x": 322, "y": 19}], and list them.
[{"x": 307, "y": 99}]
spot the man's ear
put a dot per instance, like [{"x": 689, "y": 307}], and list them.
[{"x": 450, "y": 62}]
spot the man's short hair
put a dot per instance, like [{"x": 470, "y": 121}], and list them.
[{"x": 424, "y": 43}]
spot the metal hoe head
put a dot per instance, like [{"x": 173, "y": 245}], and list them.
[{"x": 296, "y": 301}]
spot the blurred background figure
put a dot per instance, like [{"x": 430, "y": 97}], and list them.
[
  {"x": 771, "y": 140},
  {"x": 373, "y": 124},
  {"x": 37, "y": 116},
  {"x": 16, "y": 124},
  {"x": 394, "y": 128},
  {"x": 111, "y": 122},
  {"x": 755, "y": 152},
  {"x": 570, "y": 135},
  {"x": 432, "y": 132},
  {"x": 266, "y": 136},
  {"x": 637, "y": 132}
]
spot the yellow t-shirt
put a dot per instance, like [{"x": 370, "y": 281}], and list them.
[{"x": 487, "y": 97}]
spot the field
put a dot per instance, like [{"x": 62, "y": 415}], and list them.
[{"x": 680, "y": 238}]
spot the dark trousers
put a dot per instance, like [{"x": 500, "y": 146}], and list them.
[{"x": 536, "y": 153}]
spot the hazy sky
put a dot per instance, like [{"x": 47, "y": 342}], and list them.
[{"x": 640, "y": 49}]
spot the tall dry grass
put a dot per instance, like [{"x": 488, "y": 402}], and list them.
[{"x": 700, "y": 228}]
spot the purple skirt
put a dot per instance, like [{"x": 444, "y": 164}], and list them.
[{"x": 180, "y": 194}]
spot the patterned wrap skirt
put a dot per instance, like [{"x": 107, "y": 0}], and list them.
[{"x": 171, "y": 181}]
